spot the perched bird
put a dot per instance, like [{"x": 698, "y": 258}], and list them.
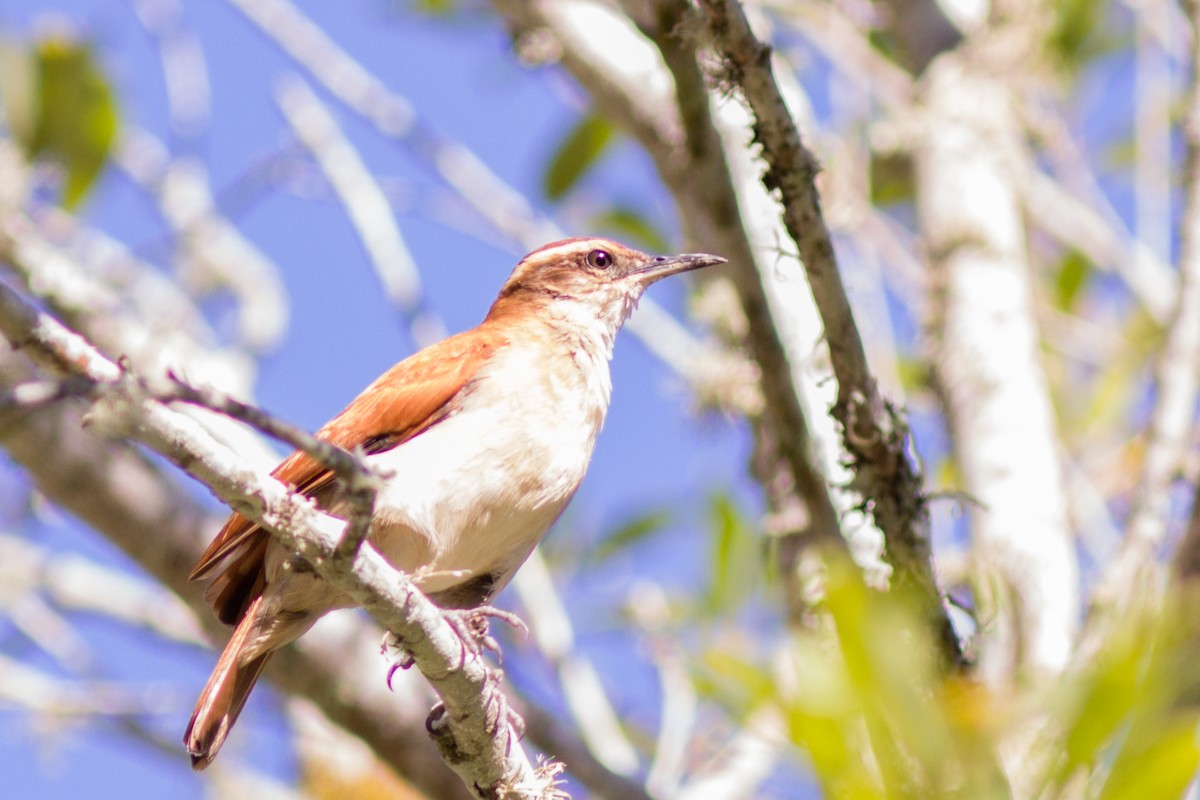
[{"x": 484, "y": 438}]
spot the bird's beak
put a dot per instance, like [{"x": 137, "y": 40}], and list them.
[{"x": 658, "y": 267}]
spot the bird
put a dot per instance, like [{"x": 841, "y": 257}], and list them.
[{"x": 482, "y": 439}]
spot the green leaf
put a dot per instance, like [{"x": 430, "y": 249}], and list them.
[
  {"x": 738, "y": 684},
  {"x": 1109, "y": 693},
  {"x": 735, "y": 555},
  {"x": 437, "y": 7},
  {"x": 1073, "y": 275},
  {"x": 18, "y": 91},
  {"x": 76, "y": 120},
  {"x": 891, "y": 179},
  {"x": 1159, "y": 763},
  {"x": 629, "y": 223},
  {"x": 630, "y": 532},
  {"x": 913, "y": 373},
  {"x": 1076, "y": 35},
  {"x": 582, "y": 147}
]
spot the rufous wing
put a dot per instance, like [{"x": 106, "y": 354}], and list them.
[{"x": 406, "y": 400}]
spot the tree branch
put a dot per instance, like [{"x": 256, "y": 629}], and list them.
[{"x": 874, "y": 432}]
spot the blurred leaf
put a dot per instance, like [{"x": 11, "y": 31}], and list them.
[
  {"x": 1120, "y": 381},
  {"x": 1076, "y": 34},
  {"x": 891, "y": 178},
  {"x": 1120, "y": 154},
  {"x": 736, "y": 557},
  {"x": 888, "y": 654},
  {"x": 948, "y": 476},
  {"x": 1160, "y": 763},
  {"x": 581, "y": 149},
  {"x": 740, "y": 685},
  {"x": 437, "y": 7},
  {"x": 1130, "y": 717},
  {"x": 1073, "y": 274},
  {"x": 1099, "y": 701},
  {"x": 629, "y": 223},
  {"x": 627, "y": 534},
  {"x": 18, "y": 90},
  {"x": 913, "y": 373},
  {"x": 71, "y": 115}
]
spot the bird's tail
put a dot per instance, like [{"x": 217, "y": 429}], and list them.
[{"x": 225, "y": 694}]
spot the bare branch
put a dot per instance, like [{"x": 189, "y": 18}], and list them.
[
  {"x": 127, "y": 498},
  {"x": 745, "y": 760},
  {"x": 73, "y": 582},
  {"x": 366, "y": 205},
  {"x": 502, "y": 206},
  {"x": 134, "y": 311},
  {"x": 873, "y": 431},
  {"x": 586, "y": 699},
  {"x": 185, "y": 73},
  {"x": 214, "y": 254},
  {"x": 24, "y": 687},
  {"x": 1073, "y": 222},
  {"x": 1177, "y": 375},
  {"x": 356, "y": 475}
]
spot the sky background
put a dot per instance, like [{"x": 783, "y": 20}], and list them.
[{"x": 656, "y": 451}]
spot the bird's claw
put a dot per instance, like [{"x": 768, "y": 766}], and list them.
[
  {"x": 437, "y": 719},
  {"x": 500, "y": 714},
  {"x": 402, "y": 660},
  {"x": 471, "y": 625}
]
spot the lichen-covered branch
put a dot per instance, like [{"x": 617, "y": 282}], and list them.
[{"x": 873, "y": 431}]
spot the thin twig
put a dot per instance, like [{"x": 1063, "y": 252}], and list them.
[{"x": 25, "y": 687}]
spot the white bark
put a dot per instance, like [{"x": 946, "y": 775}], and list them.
[{"x": 968, "y": 169}]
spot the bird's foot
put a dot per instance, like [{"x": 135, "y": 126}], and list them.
[
  {"x": 402, "y": 658},
  {"x": 471, "y": 625},
  {"x": 501, "y": 718},
  {"x": 500, "y": 714}
]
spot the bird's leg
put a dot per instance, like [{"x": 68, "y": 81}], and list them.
[{"x": 471, "y": 625}]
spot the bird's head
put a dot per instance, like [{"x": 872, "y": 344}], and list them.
[{"x": 588, "y": 278}]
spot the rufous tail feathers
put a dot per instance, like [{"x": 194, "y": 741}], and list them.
[{"x": 224, "y": 695}]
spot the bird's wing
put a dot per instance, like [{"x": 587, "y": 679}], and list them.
[{"x": 408, "y": 399}]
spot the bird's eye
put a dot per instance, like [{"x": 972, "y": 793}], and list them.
[{"x": 600, "y": 259}]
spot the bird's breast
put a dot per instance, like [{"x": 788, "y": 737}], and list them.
[{"x": 476, "y": 492}]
